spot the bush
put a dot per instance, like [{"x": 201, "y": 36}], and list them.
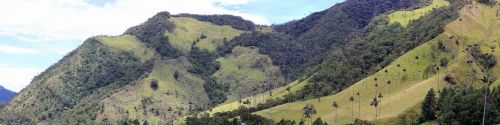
[
  {"x": 318, "y": 121},
  {"x": 409, "y": 118},
  {"x": 450, "y": 79},
  {"x": 154, "y": 84},
  {"x": 443, "y": 62},
  {"x": 361, "y": 122},
  {"x": 286, "y": 122},
  {"x": 176, "y": 75}
]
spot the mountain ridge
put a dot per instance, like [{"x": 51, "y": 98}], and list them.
[
  {"x": 5, "y": 95},
  {"x": 173, "y": 67}
]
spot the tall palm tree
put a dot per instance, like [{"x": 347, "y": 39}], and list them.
[
  {"x": 288, "y": 89},
  {"x": 404, "y": 71},
  {"x": 359, "y": 104},
  {"x": 485, "y": 103},
  {"x": 351, "y": 99},
  {"x": 336, "y": 107},
  {"x": 375, "y": 102},
  {"x": 437, "y": 73},
  {"x": 386, "y": 74},
  {"x": 376, "y": 84},
  {"x": 418, "y": 70},
  {"x": 379, "y": 108},
  {"x": 389, "y": 84}
]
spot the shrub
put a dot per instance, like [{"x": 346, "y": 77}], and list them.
[
  {"x": 450, "y": 79},
  {"x": 154, "y": 84},
  {"x": 176, "y": 75},
  {"x": 444, "y": 62},
  {"x": 361, "y": 122}
]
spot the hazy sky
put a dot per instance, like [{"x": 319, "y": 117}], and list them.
[{"x": 35, "y": 34}]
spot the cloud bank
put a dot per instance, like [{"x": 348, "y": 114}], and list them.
[{"x": 59, "y": 20}]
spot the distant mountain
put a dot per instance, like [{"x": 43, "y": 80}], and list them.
[{"x": 5, "y": 95}]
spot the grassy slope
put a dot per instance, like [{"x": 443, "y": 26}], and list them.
[
  {"x": 173, "y": 94},
  {"x": 129, "y": 44},
  {"x": 188, "y": 30},
  {"x": 188, "y": 88},
  {"x": 404, "y": 17},
  {"x": 475, "y": 28},
  {"x": 246, "y": 70}
]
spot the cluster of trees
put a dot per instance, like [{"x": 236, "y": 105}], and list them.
[
  {"x": 488, "y": 2},
  {"x": 152, "y": 33},
  {"x": 234, "y": 21},
  {"x": 462, "y": 105},
  {"x": 228, "y": 118},
  {"x": 218, "y": 119},
  {"x": 204, "y": 64},
  {"x": 486, "y": 60}
]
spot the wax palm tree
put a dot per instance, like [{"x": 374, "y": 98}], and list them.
[
  {"x": 389, "y": 84},
  {"x": 359, "y": 104},
  {"x": 418, "y": 70},
  {"x": 386, "y": 74},
  {"x": 375, "y": 102},
  {"x": 376, "y": 84},
  {"x": 437, "y": 69},
  {"x": 404, "y": 74},
  {"x": 336, "y": 107},
  {"x": 351, "y": 99},
  {"x": 288, "y": 89},
  {"x": 380, "y": 99}
]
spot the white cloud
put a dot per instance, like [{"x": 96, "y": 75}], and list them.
[
  {"x": 16, "y": 78},
  {"x": 7, "y": 49},
  {"x": 232, "y": 2},
  {"x": 59, "y": 20}
]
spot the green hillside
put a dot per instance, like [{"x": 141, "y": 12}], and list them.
[
  {"x": 408, "y": 89},
  {"x": 246, "y": 73},
  {"x": 184, "y": 92}
]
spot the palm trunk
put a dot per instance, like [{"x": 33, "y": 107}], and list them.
[
  {"x": 389, "y": 94},
  {"x": 359, "y": 107},
  {"x": 485, "y": 105},
  {"x": 352, "y": 109},
  {"x": 336, "y": 111}
]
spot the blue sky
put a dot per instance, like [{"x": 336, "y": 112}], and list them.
[{"x": 41, "y": 32}]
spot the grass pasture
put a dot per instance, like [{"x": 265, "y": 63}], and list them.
[
  {"x": 129, "y": 44},
  {"x": 187, "y": 30},
  {"x": 247, "y": 72},
  {"x": 172, "y": 96},
  {"x": 405, "y": 16}
]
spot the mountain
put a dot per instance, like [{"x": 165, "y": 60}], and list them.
[
  {"x": 5, "y": 95},
  {"x": 222, "y": 69}
]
